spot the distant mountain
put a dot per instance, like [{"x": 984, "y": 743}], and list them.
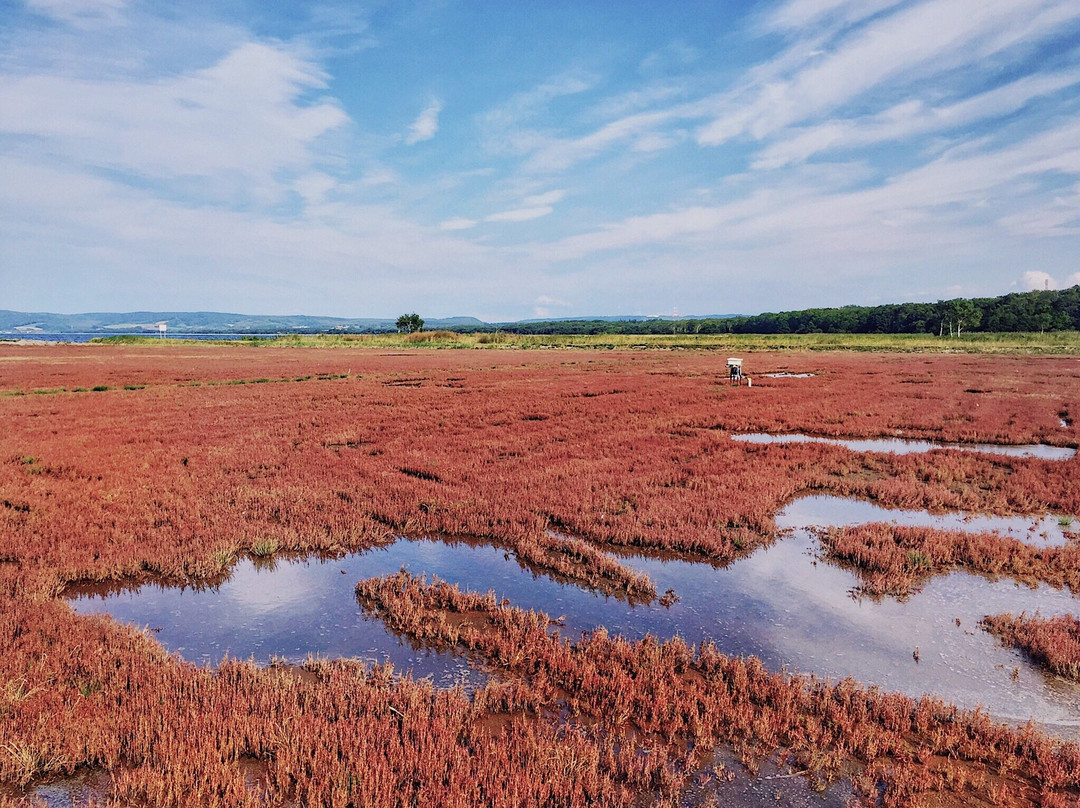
[{"x": 202, "y": 322}]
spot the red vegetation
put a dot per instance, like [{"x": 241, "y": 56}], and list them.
[
  {"x": 1053, "y": 642},
  {"x": 894, "y": 560},
  {"x": 557, "y": 456},
  {"x": 683, "y": 697}
]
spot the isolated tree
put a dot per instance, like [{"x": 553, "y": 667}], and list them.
[
  {"x": 964, "y": 314},
  {"x": 408, "y": 323}
]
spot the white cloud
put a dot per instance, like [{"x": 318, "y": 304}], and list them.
[
  {"x": 80, "y": 13},
  {"x": 1034, "y": 279},
  {"x": 654, "y": 142},
  {"x": 314, "y": 187},
  {"x": 1073, "y": 280},
  {"x": 798, "y": 14},
  {"x": 944, "y": 202},
  {"x": 502, "y": 126},
  {"x": 543, "y": 305},
  {"x": 923, "y": 39},
  {"x": 233, "y": 126},
  {"x": 312, "y": 263},
  {"x": 379, "y": 176},
  {"x": 520, "y": 214},
  {"x": 426, "y": 124},
  {"x": 549, "y": 198},
  {"x": 457, "y": 224},
  {"x": 910, "y": 118},
  {"x": 559, "y": 154},
  {"x": 548, "y": 300}
]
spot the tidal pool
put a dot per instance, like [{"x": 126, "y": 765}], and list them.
[
  {"x": 906, "y": 446},
  {"x": 782, "y": 604},
  {"x": 829, "y": 511}
]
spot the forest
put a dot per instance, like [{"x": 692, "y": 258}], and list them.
[{"x": 1050, "y": 310}]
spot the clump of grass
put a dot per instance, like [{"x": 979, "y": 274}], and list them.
[
  {"x": 224, "y": 557},
  {"x": 263, "y": 548},
  {"x": 918, "y": 560},
  {"x": 1065, "y": 521},
  {"x": 134, "y": 386},
  {"x": 27, "y": 761},
  {"x": 100, "y": 388}
]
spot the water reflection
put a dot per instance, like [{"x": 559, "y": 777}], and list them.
[
  {"x": 781, "y": 604},
  {"x": 829, "y": 511},
  {"x": 905, "y": 446}
]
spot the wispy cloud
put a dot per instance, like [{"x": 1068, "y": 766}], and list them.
[
  {"x": 547, "y": 198},
  {"x": 457, "y": 224},
  {"x": 869, "y": 148},
  {"x": 534, "y": 206},
  {"x": 426, "y": 124},
  {"x": 232, "y": 126},
  {"x": 907, "y": 213},
  {"x": 81, "y": 13},
  {"x": 925, "y": 38},
  {"x": 910, "y": 118},
  {"x": 520, "y": 214}
]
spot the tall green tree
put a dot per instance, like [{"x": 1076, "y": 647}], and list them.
[
  {"x": 409, "y": 323},
  {"x": 963, "y": 314}
]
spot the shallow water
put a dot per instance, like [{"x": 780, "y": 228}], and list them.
[
  {"x": 781, "y": 604},
  {"x": 290, "y": 608},
  {"x": 905, "y": 446},
  {"x": 788, "y": 375},
  {"x": 829, "y": 511}
]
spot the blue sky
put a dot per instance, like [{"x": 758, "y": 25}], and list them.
[{"x": 521, "y": 159}]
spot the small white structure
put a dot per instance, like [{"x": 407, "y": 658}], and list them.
[
  {"x": 162, "y": 328},
  {"x": 734, "y": 366}
]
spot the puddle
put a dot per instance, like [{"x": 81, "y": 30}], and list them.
[
  {"x": 728, "y": 783},
  {"x": 905, "y": 446},
  {"x": 828, "y": 511},
  {"x": 788, "y": 375},
  {"x": 780, "y": 604},
  {"x": 84, "y": 789},
  {"x": 290, "y": 608}
]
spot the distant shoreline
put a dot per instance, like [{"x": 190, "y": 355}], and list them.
[{"x": 59, "y": 337}]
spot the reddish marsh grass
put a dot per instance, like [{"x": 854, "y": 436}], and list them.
[
  {"x": 1053, "y": 642},
  {"x": 895, "y": 560},
  {"x": 520, "y": 449},
  {"x": 682, "y": 697}
]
